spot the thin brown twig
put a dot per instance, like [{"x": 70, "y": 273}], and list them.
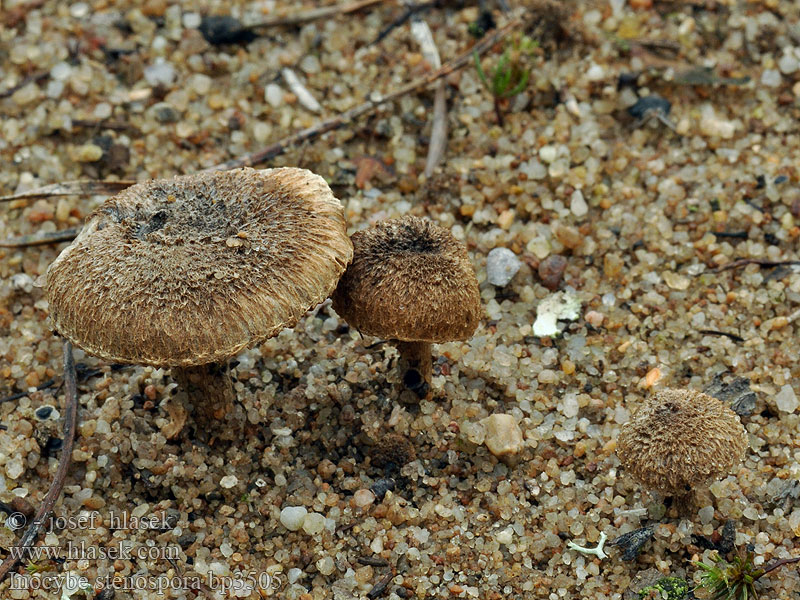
[
  {"x": 315, "y": 14},
  {"x": 70, "y": 188},
  {"x": 371, "y": 105},
  {"x": 29, "y": 79},
  {"x": 46, "y": 508},
  {"x": 40, "y": 239},
  {"x": 780, "y": 563},
  {"x": 743, "y": 262}
]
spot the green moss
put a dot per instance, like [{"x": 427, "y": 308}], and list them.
[{"x": 666, "y": 588}]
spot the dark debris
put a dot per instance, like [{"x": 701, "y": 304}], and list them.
[{"x": 632, "y": 542}]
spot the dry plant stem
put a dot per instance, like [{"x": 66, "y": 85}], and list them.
[
  {"x": 324, "y": 12},
  {"x": 40, "y": 239},
  {"x": 779, "y": 563},
  {"x": 70, "y": 188},
  {"x": 416, "y": 356},
  {"x": 70, "y": 418},
  {"x": 371, "y": 105},
  {"x": 209, "y": 389}
]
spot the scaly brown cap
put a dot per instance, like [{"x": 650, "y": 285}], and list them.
[
  {"x": 410, "y": 280},
  {"x": 191, "y": 270},
  {"x": 679, "y": 439}
]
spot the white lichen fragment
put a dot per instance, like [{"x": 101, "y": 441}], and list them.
[
  {"x": 597, "y": 550},
  {"x": 561, "y": 306}
]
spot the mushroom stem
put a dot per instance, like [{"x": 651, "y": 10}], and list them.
[
  {"x": 416, "y": 366},
  {"x": 209, "y": 389}
]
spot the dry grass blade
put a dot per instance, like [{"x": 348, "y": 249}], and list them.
[
  {"x": 371, "y": 105},
  {"x": 438, "y": 142},
  {"x": 70, "y": 420},
  {"x": 70, "y": 188},
  {"x": 324, "y": 12},
  {"x": 40, "y": 239}
]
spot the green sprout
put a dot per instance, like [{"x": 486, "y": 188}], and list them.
[
  {"x": 735, "y": 580},
  {"x": 508, "y": 78}
]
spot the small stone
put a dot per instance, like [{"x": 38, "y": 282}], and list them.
[
  {"x": 14, "y": 468},
  {"x": 292, "y": 517},
  {"x": 89, "y": 153},
  {"x": 505, "y": 536},
  {"x": 706, "y": 514},
  {"x": 22, "y": 282},
  {"x": 363, "y": 498},
  {"x": 501, "y": 266},
  {"x": 503, "y": 435},
  {"x": 548, "y": 153},
  {"x": 569, "y": 237},
  {"x": 313, "y": 523},
  {"x": 160, "y": 73},
  {"x": 551, "y": 271},
  {"x": 771, "y": 78},
  {"x": 786, "y": 400},
  {"x": 43, "y": 412},
  {"x": 594, "y": 318},
  {"x": 788, "y": 64},
  {"x": 273, "y": 94},
  {"x": 676, "y": 281},
  {"x": 325, "y": 565},
  {"x": 228, "y": 481},
  {"x": 164, "y": 112},
  {"x": 578, "y": 205},
  {"x": 192, "y": 20},
  {"x": 310, "y": 64}
]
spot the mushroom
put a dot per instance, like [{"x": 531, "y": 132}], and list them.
[
  {"x": 412, "y": 282},
  {"x": 188, "y": 272},
  {"x": 680, "y": 439}
]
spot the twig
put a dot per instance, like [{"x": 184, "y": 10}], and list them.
[
  {"x": 438, "y": 143},
  {"x": 743, "y": 262},
  {"x": 380, "y": 588},
  {"x": 311, "y": 133},
  {"x": 732, "y": 336},
  {"x": 780, "y": 563},
  {"x": 29, "y": 79},
  {"x": 16, "y": 396},
  {"x": 315, "y": 14},
  {"x": 70, "y": 418},
  {"x": 40, "y": 239},
  {"x": 70, "y": 188}
]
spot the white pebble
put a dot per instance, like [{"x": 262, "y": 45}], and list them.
[
  {"x": 771, "y": 78},
  {"x": 501, "y": 266},
  {"x": 577, "y": 204},
  {"x": 503, "y": 435},
  {"x": 228, "y": 481},
  {"x": 548, "y": 153},
  {"x": 292, "y": 517},
  {"x": 786, "y": 400},
  {"x": 192, "y": 20},
  {"x": 706, "y": 514},
  {"x": 788, "y": 64},
  {"x": 325, "y": 565},
  {"x": 273, "y": 94},
  {"x": 313, "y": 523},
  {"x": 505, "y": 536},
  {"x": 160, "y": 72}
]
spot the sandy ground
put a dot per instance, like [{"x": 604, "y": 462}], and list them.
[{"x": 650, "y": 224}]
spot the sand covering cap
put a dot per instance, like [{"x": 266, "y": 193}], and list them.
[
  {"x": 679, "y": 439},
  {"x": 191, "y": 270},
  {"x": 410, "y": 280}
]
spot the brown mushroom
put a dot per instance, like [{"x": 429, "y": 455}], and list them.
[
  {"x": 411, "y": 282},
  {"x": 680, "y": 439},
  {"x": 188, "y": 272}
]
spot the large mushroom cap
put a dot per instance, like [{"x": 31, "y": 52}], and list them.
[
  {"x": 410, "y": 280},
  {"x": 679, "y": 439},
  {"x": 191, "y": 270}
]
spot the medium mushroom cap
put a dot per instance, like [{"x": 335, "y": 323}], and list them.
[
  {"x": 679, "y": 439},
  {"x": 410, "y": 280},
  {"x": 191, "y": 270}
]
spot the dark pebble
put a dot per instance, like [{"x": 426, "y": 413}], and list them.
[
  {"x": 632, "y": 542},
  {"x": 380, "y": 487},
  {"x": 551, "y": 271},
  {"x": 648, "y": 104},
  {"x": 43, "y": 412}
]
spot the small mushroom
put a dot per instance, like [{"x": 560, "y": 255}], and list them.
[
  {"x": 412, "y": 282},
  {"x": 188, "y": 272},
  {"x": 680, "y": 439}
]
